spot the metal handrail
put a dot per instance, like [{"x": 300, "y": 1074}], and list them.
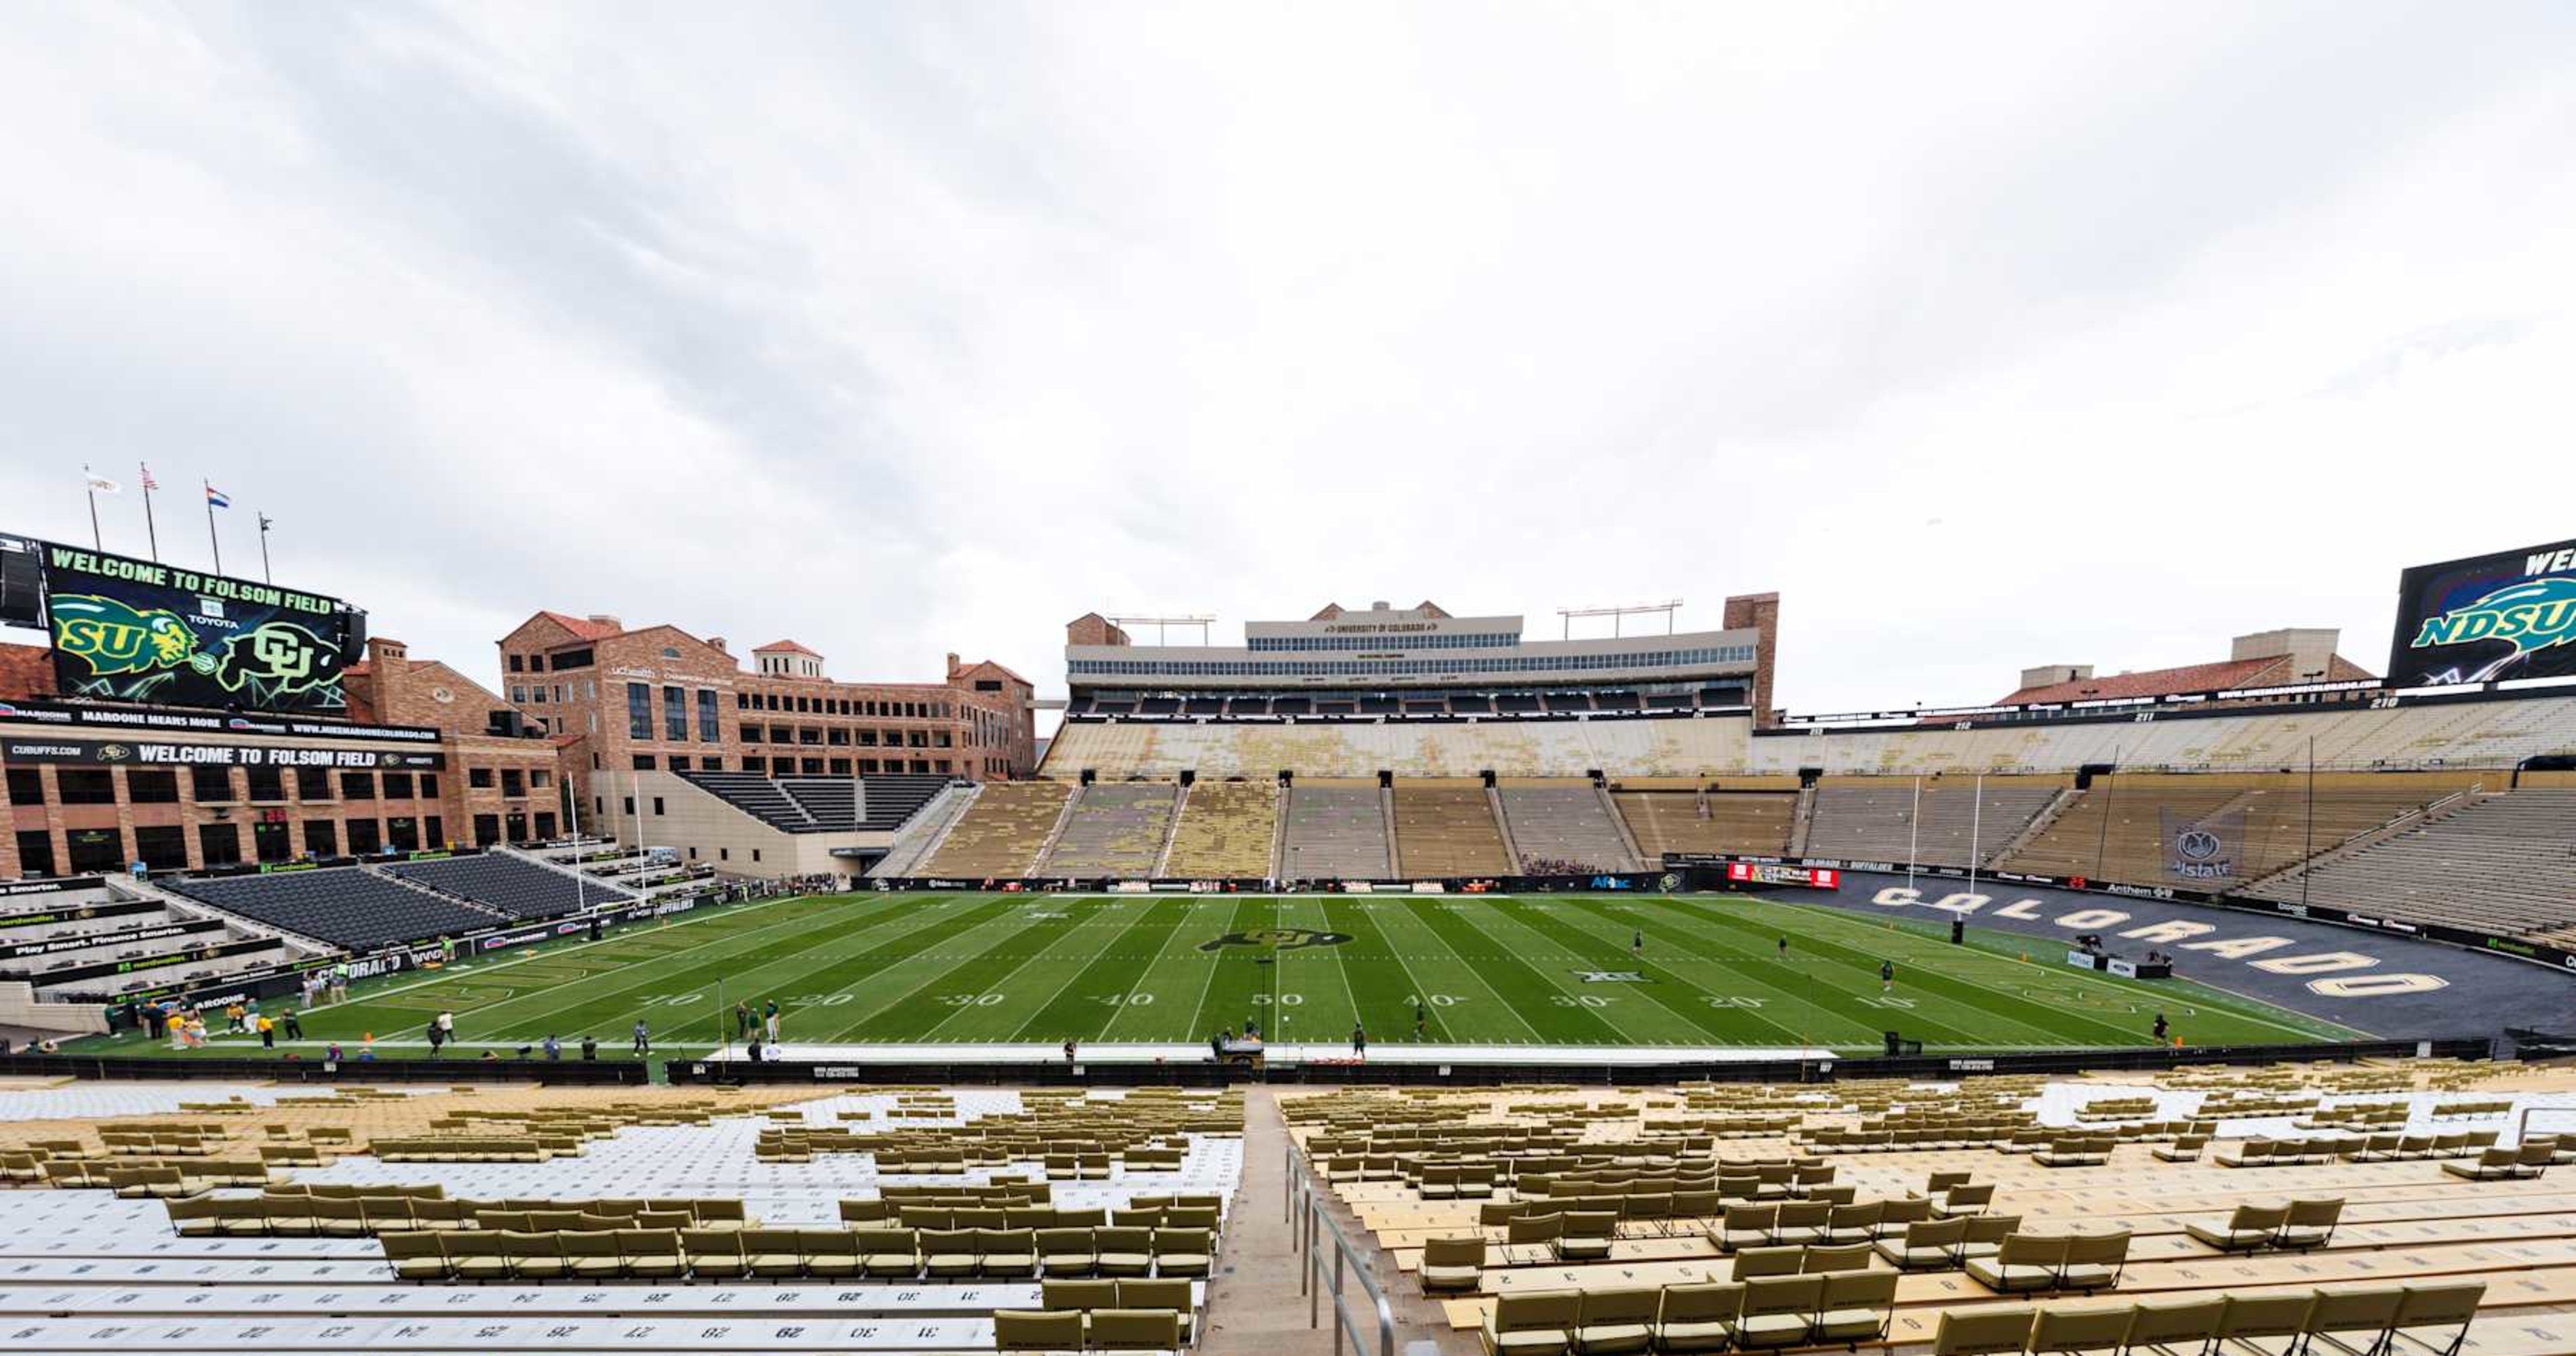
[{"x": 1312, "y": 1227}]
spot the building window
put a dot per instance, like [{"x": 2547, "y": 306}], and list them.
[
  {"x": 518, "y": 663},
  {"x": 434, "y": 829},
  {"x": 266, "y": 783},
  {"x": 657, "y": 807},
  {"x": 751, "y": 734},
  {"x": 478, "y": 778},
  {"x": 84, "y": 786},
  {"x": 629, "y": 811},
  {"x": 643, "y": 762},
  {"x": 268, "y": 841},
  {"x": 675, "y": 715},
  {"x": 540, "y": 778},
  {"x": 755, "y": 854},
  {"x": 162, "y": 847},
  {"x": 754, "y": 763},
  {"x": 724, "y": 854},
  {"x": 429, "y": 786},
  {"x": 510, "y": 786},
  {"x": 144, "y": 786},
  {"x": 397, "y": 786},
  {"x": 364, "y": 837},
  {"x": 545, "y": 824},
  {"x": 312, "y": 783},
  {"x": 639, "y": 711},
  {"x": 26, "y": 786},
  {"x": 213, "y": 784},
  {"x": 840, "y": 767},
  {"x": 707, "y": 731},
  {"x": 679, "y": 762},
  {"x": 321, "y": 838},
  {"x": 572, "y": 659},
  {"x": 711, "y": 763},
  {"x": 219, "y": 844},
  {"x": 35, "y": 852},
  {"x": 487, "y": 830},
  {"x": 402, "y": 834},
  {"x": 357, "y": 786}
]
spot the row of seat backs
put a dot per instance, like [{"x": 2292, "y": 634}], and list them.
[
  {"x": 1032, "y": 1217},
  {"x": 1092, "y": 1329},
  {"x": 1065, "y": 1241},
  {"x": 2207, "y": 1321},
  {"x": 1568, "y": 1311}
]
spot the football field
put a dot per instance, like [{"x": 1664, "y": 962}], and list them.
[{"x": 1567, "y": 970}]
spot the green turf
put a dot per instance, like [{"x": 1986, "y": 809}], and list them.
[{"x": 1490, "y": 970}]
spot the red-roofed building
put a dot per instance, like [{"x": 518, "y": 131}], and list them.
[
  {"x": 2282, "y": 658},
  {"x": 659, "y": 699}
]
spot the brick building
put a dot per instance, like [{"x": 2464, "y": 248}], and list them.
[
  {"x": 658, "y": 699},
  {"x": 427, "y": 758}
]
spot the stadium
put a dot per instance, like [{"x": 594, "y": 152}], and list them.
[
  {"x": 1574, "y": 995},
  {"x": 1237, "y": 679}
]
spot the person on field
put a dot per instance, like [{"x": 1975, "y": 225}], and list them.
[
  {"x": 1421, "y": 1021},
  {"x": 589, "y": 1047},
  {"x": 2161, "y": 1029},
  {"x": 1068, "y": 1052},
  {"x": 1887, "y": 976},
  {"x": 554, "y": 1048},
  {"x": 769, "y": 1020},
  {"x": 742, "y": 1021},
  {"x": 267, "y": 1034},
  {"x": 643, "y": 1038},
  {"x": 1359, "y": 1042},
  {"x": 437, "y": 1038},
  {"x": 1637, "y": 945},
  {"x": 1784, "y": 946},
  {"x": 294, "y": 1026},
  {"x": 447, "y": 1026}
]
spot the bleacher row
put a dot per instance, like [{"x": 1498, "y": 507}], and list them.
[
  {"x": 2479, "y": 734},
  {"x": 2443, "y": 847},
  {"x": 872, "y": 803},
  {"x": 1595, "y": 1221},
  {"x": 735, "y": 1247}
]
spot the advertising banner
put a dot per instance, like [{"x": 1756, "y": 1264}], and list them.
[
  {"x": 138, "y": 631},
  {"x": 2202, "y": 849},
  {"x": 156, "y": 753},
  {"x": 2508, "y": 615},
  {"x": 67, "y": 715}
]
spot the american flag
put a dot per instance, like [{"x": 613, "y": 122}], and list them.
[{"x": 148, "y": 482}]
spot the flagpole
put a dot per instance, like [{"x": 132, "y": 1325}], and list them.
[
  {"x": 89, "y": 487},
  {"x": 211, "y": 539},
  {"x": 264, "y": 575},
  {"x": 151, "y": 533}
]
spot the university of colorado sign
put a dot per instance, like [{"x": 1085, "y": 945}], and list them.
[{"x": 2333, "y": 974}]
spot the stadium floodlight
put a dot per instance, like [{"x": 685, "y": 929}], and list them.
[
  {"x": 1618, "y": 615},
  {"x": 1201, "y": 620}
]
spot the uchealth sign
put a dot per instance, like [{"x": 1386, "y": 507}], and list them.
[{"x": 2334, "y": 974}]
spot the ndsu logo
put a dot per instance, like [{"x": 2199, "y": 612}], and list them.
[
  {"x": 2534, "y": 614},
  {"x": 1278, "y": 939},
  {"x": 112, "y": 637}
]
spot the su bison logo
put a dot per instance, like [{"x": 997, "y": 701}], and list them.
[{"x": 113, "y": 638}]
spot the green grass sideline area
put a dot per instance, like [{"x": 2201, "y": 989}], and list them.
[{"x": 1547, "y": 970}]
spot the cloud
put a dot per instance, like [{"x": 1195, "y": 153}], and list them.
[{"x": 907, "y": 329}]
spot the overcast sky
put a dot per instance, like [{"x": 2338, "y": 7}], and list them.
[{"x": 1987, "y": 335}]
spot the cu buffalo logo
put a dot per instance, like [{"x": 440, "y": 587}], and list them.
[
  {"x": 275, "y": 659},
  {"x": 2197, "y": 845},
  {"x": 114, "y": 753},
  {"x": 1277, "y": 939}
]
